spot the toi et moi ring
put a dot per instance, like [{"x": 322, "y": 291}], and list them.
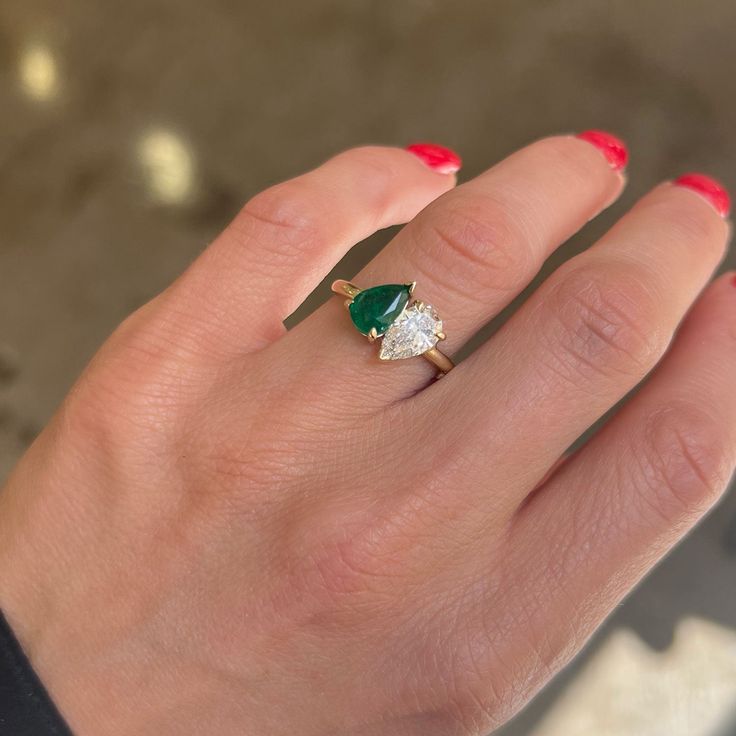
[{"x": 406, "y": 327}]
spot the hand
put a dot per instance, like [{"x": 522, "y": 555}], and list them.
[{"x": 231, "y": 529}]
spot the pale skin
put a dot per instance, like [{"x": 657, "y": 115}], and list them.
[{"x": 229, "y": 528}]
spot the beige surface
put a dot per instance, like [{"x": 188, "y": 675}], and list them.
[
  {"x": 627, "y": 688},
  {"x": 131, "y": 131}
]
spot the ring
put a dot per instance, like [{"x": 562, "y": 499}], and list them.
[{"x": 406, "y": 328}]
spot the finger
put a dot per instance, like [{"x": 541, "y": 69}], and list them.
[
  {"x": 475, "y": 249},
  {"x": 626, "y": 497},
  {"x": 286, "y": 239},
  {"x": 588, "y": 335}
]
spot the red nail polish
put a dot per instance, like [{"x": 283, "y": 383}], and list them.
[
  {"x": 708, "y": 188},
  {"x": 438, "y": 158},
  {"x": 613, "y": 148}
]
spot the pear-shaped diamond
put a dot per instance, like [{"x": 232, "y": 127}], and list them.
[{"x": 413, "y": 332}]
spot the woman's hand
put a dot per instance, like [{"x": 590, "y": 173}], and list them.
[{"x": 231, "y": 529}]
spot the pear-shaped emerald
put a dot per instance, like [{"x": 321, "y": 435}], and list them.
[{"x": 377, "y": 307}]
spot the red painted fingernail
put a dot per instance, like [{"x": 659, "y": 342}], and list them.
[
  {"x": 709, "y": 188},
  {"x": 613, "y": 148},
  {"x": 438, "y": 158}
]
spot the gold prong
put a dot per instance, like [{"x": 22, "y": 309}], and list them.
[
  {"x": 372, "y": 335},
  {"x": 344, "y": 288},
  {"x": 412, "y": 285},
  {"x": 419, "y": 304},
  {"x": 347, "y": 303},
  {"x": 440, "y": 335}
]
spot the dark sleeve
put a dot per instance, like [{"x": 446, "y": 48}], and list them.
[{"x": 25, "y": 706}]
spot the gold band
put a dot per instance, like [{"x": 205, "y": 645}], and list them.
[
  {"x": 433, "y": 355},
  {"x": 439, "y": 360}
]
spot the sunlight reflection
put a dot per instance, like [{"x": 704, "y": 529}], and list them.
[
  {"x": 168, "y": 164},
  {"x": 627, "y": 688},
  {"x": 39, "y": 76}
]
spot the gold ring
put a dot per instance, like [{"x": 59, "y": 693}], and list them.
[{"x": 406, "y": 327}]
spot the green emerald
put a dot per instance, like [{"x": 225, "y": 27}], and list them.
[{"x": 376, "y": 308}]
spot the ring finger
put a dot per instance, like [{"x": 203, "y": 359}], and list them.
[{"x": 475, "y": 248}]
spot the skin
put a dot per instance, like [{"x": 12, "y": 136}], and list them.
[{"x": 232, "y": 529}]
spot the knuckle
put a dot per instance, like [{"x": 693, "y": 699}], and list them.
[
  {"x": 476, "y": 242},
  {"x": 141, "y": 380},
  {"x": 339, "y": 572},
  {"x": 478, "y": 695},
  {"x": 606, "y": 325},
  {"x": 351, "y": 569},
  {"x": 285, "y": 217},
  {"x": 122, "y": 422},
  {"x": 685, "y": 461}
]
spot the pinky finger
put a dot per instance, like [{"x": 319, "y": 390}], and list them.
[{"x": 613, "y": 509}]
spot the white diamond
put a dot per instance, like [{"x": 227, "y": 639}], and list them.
[{"x": 412, "y": 333}]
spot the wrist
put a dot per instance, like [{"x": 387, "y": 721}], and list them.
[{"x": 51, "y": 554}]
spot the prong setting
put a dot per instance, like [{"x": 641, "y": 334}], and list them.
[{"x": 406, "y": 327}]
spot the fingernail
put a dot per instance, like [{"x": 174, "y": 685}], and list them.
[
  {"x": 613, "y": 148},
  {"x": 709, "y": 188},
  {"x": 438, "y": 158}
]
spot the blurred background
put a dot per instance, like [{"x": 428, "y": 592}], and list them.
[{"x": 130, "y": 133}]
